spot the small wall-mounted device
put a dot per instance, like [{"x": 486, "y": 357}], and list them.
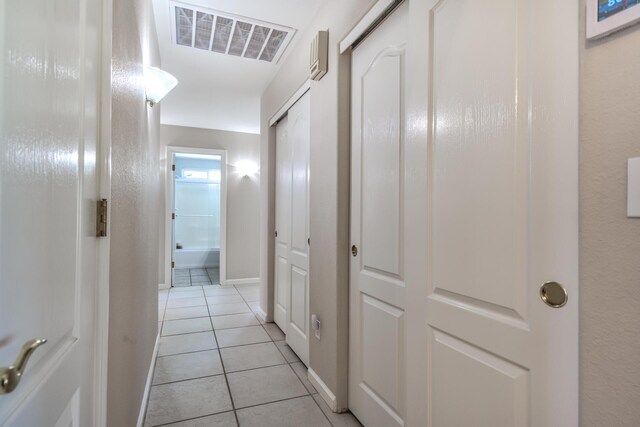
[
  {"x": 319, "y": 57},
  {"x": 315, "y": 325},
  {"x": 633, "y": 188}
]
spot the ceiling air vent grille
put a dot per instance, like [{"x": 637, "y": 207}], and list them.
[{"x": 220, "y": 32}]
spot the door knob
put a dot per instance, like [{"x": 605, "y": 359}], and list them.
[
  {"x": 354, "y": 250},
  {"x": 10, "y": 376},
  {"x": 554, "y": 294}
]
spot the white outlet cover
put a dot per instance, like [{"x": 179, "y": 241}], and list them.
[{"x": 633, "y": 188}]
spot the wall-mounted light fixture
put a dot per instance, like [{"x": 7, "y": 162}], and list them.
[
  {"x": 158, "y": 83},
  {"x": 246, "y": 168}
]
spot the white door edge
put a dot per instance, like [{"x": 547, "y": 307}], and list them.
[{"x": 101, "y": 336}]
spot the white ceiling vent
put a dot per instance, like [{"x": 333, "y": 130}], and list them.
[{"x": 220, "y": 32}]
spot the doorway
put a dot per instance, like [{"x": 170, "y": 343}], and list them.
[{"x": 197, "y": 214}]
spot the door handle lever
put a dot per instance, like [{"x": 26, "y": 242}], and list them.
[{"x": 10, "y": 376}]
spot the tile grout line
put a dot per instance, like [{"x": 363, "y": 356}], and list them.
[
  {"x": 289, "y": 363},
  {"x": 194, "y": 418},
  {"x": 217, "y": 375},
  {"x": 224, "y": 371},
  {"x": 283, "y": 356}
]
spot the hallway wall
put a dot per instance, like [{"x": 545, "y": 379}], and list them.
[
  {"x": 329, "y": 204},
  {"x": 243, "y": 194},
  {"x": 609, "y": 241},
  {"x": 133, "y": 287}
]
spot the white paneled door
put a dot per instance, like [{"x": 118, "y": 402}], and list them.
[
  {"x": 464, "y": 216},
  {"x": 49, "y": 122},
  {"x": 503, "y": 213},
  {"x": 377, "y": 294},
  {"x": 292, "y": 226}
]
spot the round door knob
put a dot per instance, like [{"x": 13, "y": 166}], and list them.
[
  {"x": 354, "y": 250},
  {"x": 554, "y": 294}
]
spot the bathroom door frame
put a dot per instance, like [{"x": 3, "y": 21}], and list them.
[{"x": 170, "y": 200}]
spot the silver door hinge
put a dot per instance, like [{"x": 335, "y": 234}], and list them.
[
  {"x": 173, "y": 264},
  {"x": 173, "y": 216},
  {"x": 173, "y": 167},
  {"x": 101, "y": 218}
]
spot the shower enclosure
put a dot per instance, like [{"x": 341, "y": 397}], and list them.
[{"x": 198, "y": 181}]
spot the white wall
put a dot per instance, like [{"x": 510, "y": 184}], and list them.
[
  {"x": 224, "y": 110},
  {"x": 609, "y": 241},
  {"x": 133, "y": 281},
  {"x": 243, "y": 194}
]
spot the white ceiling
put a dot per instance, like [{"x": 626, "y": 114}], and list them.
[{"x": 218, "y": 91}]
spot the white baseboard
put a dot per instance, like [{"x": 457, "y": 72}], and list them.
[
  {"x": 262, "y": 314},
  {"x": 251, "y": 280},
  {"x": 323, "y": 390},
  {"x": 162, "y": 287},
  {"x": 147, "y": 387},
  {"x": 184, "y": 266}
]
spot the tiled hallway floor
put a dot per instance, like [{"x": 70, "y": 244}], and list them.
[
  {"x": 219, "y": 366},
  {"x": 196, "y": 277}
]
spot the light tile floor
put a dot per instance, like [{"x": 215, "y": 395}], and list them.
[
  {"x": 218, "y": 365},
  {"x": 196, "y": 277}
]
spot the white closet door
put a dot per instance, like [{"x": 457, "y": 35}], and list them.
[
  {"x": 377, "y": 295},
  {"x": 291, "y": 310},
  {"x": 298, "y": 314},
  {"x": 49, "y": 105},
  {"x": 283, "y": 218},
  {"x": 502, "y": 195}
]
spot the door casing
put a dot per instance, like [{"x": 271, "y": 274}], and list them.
[{"x": 169, "y": 208}]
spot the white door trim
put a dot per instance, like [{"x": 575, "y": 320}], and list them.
[
  {"x": 306, "y": 86},
  {"x": 171, "y": 150},
  {"x": 103, "y": 162},
  {"x": 368, "y": 22}
]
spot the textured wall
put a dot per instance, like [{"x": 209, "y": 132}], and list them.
[
  {"x": 243, "y": 194},
  {"x": 329, "y": 169},
  {"x": 133, "y": 290},
  {"x": 609, "y": 241}
]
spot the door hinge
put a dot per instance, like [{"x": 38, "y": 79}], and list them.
[
  {"x": 173, "y": 216},
  {"x": 173, "y": 168},
  {"x": 276, "y": 233},
  {"x": 173, "y": 264},
  {"x": 101, "y": 218}
]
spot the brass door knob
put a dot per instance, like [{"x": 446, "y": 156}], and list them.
[
  {"x": 354, "y": 250},
  {"x": 554, "y": 294},
  {"x": 10, "y": 376}
]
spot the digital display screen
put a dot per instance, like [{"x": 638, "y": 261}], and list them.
[{"x": 608, "y": 8}]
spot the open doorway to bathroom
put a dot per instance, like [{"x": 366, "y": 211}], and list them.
[{"x": 198, "y": 216}]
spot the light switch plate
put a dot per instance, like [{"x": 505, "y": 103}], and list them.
[{"x": 633, "y": 188}]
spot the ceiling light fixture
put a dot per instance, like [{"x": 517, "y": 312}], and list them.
[{"x": 158, "y": 83}]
